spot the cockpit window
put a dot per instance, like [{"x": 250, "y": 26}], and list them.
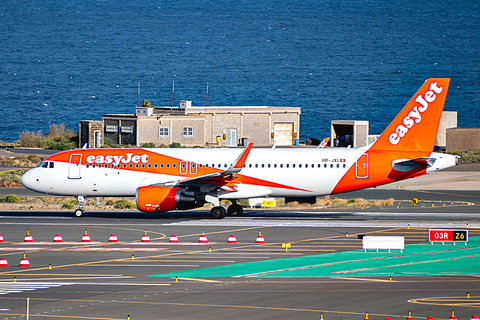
[
  {"x": 51, "y": 165},
  {"x": 45, "y": 165}
]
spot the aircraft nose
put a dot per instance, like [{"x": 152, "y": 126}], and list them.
[{"x": 28, "y": 179}]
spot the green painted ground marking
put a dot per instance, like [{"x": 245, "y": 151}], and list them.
[{"x": 417, "y": 259}]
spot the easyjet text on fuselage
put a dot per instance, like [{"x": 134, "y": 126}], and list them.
[{"x": 108, "y": 159}]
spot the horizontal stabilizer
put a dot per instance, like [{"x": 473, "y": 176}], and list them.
[{"x": 407, "y": 165}]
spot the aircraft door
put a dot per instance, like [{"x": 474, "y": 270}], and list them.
[
  {"x": 361, "y": 167},
  {"x": 74, "y": 166}
]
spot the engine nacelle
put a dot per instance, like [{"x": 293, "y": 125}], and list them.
[{"x": 161, "y": 199}]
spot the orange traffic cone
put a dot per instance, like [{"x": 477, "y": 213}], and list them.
[
  {"x": 24, "y": 262},
  {"x": 260, "y": 238},
  {"x": 3, "y": 262},
  {"x": 1, "y": 238},
  {"x": 86, "y": 237},
  {"x": 232, "y": 239},
  {"x": 409, "y": 315},
  {"x": 173, "y": 238},
  {"x": 203, "y": 238},
  {"x": 113, "y": 238},
  {"x": 145, "y": 237},
  {"x": 28, "y": 237},
  {"x": 57, "y": 238},
  {"x": 452, "y": 317}
]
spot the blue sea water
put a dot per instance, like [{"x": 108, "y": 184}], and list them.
[{"x": 65, "y": 61}]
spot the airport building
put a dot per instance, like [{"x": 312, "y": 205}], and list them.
[
  {"x": 355, "y": 133},
  {"x": 196, "y": 126}
]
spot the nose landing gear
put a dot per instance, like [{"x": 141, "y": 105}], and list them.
[{"x": 81, "y": 204}]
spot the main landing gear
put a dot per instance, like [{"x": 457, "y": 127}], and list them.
[
  {"x": 218, "y": 212},
  {"x": 81, "y": 204},
  {"x": 234, "y": 210}
]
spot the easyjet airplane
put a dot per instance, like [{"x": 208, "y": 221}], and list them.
[{"x": 169, "y": 179}]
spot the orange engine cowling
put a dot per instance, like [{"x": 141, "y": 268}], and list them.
[{"x": 160, "y": 199}]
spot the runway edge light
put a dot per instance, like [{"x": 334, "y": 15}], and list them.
[
  {"x": 452, "y": 317},
  {"x": 86, "y": 237},
  {"x": 24, "y": 262},
  {"x": 409, "y": 315},
  {"x": 28, "y": 237},
  {"x": 145, "y": 237},
  {"x": 260, "y": 238}
]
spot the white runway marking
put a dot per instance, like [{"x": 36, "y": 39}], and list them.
[{"x": 17, "y": 287}]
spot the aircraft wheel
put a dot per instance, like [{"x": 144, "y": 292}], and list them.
[
  {"x": 235, "y": 210},
  {"x": 218, "y": 212},
  {"x": 78, "y": 212}
]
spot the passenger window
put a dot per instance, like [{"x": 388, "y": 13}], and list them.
[
  {"x": 87, "y": 166},
  {"x": 168, "y": 165},
  {"x": 161, "y": 165},
  {"x": 263, "y": 165},
  {"x": 149, "y": 165},
  {"x": 287, "y": 165},
  {"x": 174, "y": 165},
  {"x": 344, "y": 165},
  {"x": 124, "y": 165},
  {"x": 269, "y": 165},
  {"x": 281, "y": 165},
  {"x": 325, "y": 165},
  {"x": 275, "y": 165},
  {"x": 130, "y": 166},
  {"x": 155, "y": 166},
  {"x": 331, "y": 166},
  {"x": 256, "y": 165},
  {"x": 225, "y": 165},
  {"x": 136, "y": 166},
  {"x": 300, "y": 165},
  {"x": 319, "y": 165},
  {"x": 250, "y": 165},
  {"x": 93, "y": 166},
  {"x": 338, "y": 166},
  {"x": 112, "y": 165}
]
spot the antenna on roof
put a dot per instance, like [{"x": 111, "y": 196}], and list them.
[
  {"x": 173, "y": 90},
  {"x": 206, "y": 97},
  {"x": 138, "y": 105}
]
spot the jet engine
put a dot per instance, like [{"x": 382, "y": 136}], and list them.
[{"x": 161, "y": 199}]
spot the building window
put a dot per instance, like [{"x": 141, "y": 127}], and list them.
[
  {"x": 163, "y": 132},
  {"x": 110, "y": 128},
  {"x": 127, "y": 129},
  {"x": 188, "y": 132}
]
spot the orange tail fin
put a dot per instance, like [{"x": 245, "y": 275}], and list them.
[{"x": 415, "y": 127}]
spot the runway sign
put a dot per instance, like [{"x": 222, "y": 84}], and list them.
[{"x": 448, "y": 235}]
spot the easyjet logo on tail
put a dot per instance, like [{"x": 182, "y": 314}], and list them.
[
  {"x": 415, "y": 115},
  {"x": 129, "y": 157}
]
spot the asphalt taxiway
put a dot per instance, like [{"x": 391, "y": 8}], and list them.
[
  {"x": 105, "y": 280},
  {"x": 189, "y": 280}
]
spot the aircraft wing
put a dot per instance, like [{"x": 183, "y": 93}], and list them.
[
  {"x": 214, "y": 180},
  {"x": 407, "y": 165}
]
